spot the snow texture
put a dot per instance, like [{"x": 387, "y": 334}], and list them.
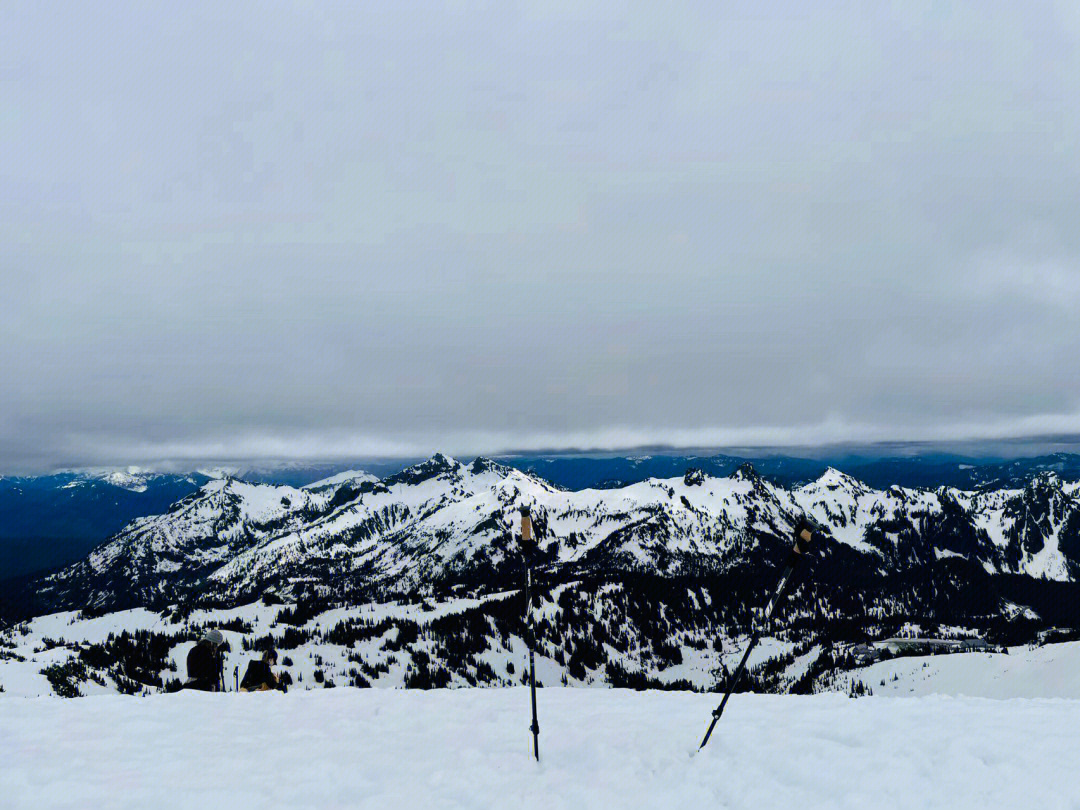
[{"x": 599, "y": 749}]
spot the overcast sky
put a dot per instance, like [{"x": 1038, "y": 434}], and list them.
[{"x": 310, "y": 230}]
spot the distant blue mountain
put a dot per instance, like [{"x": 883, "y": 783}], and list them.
[
  {"x": 51, "y": 520},
  {"x": 608, "y": 472},
  {"x": 926, "y": 471}
]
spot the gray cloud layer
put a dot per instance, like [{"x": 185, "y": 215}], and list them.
[{"x": 241, "y": 230}]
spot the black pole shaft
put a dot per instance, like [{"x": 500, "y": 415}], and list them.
[
  {"x": 733, "y": 680},
  {"x": 535, "y": 727}
]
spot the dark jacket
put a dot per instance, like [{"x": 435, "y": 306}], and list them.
[
  {"x": 203, "y": 669},
  {"x": 259, "y": 676}
]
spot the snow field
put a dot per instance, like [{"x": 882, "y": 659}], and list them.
[
  {"x": 599, "y": 748},
  {"x": 1043, "y": 672}
]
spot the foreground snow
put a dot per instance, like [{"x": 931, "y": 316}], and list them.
[{"x": 600, "y": 748}]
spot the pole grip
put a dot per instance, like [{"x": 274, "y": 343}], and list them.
[
  {"x": 526, "y": 526},
  {"x": 528, "y": 542},
  {"x": 805, "y": 537}
]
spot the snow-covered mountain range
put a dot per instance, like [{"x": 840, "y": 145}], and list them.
[
  {"x": 414, "y": 580},
  {"x": 55, "y": 519},
  {"x": 444, "y": 521}
]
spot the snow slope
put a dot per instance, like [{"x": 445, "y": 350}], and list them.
[
  {"x": 1042, "y": 672},
  {"x": 599, "y": 748},
  {"x": 57, "y": 639},
  {"x": 335, "y": 482}
]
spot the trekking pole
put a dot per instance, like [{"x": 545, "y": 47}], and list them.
[
  {"x": 804, "y": 537},
  {"x": 527, "y": 547}
]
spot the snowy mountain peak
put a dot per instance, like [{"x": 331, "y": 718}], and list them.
[
  {"x": 134, "y": 479},
  {"x": 694, "y": 477},
  {"x": 436, "y": 466},
  {"x": 834, "y": 479},
  {"x": 746, "y": 472},
  {"x": 351, "y": 478},
  {"x": 483, "y": 465},
  {"x": 217, "y": 472},
  {"x": 217, "y": 484},
  {"x": 1044, "y": 481}
]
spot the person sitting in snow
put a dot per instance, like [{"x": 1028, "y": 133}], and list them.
[
  {"x": 204, "y": 663},
  {"x": 259, "y": 677}
]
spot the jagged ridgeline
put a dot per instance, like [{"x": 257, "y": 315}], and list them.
[
  {"x": 444, "y": 523},
  {"x": 648, "y": 584}
]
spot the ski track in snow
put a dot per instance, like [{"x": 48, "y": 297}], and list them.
[{"x": 348, "y": 748}]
